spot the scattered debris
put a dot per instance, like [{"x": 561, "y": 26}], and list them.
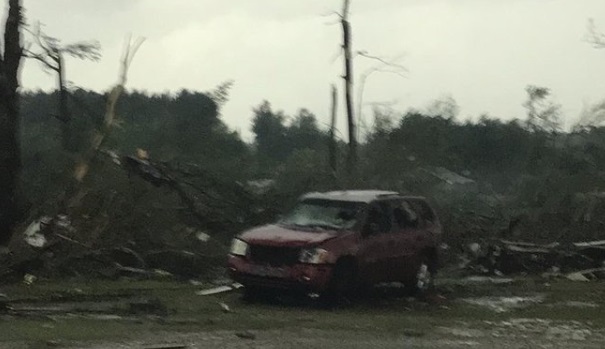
[
  {"x": 461, "y": 332},
  {"x": 577, "y": 304},
  {"x": 219, "y": 289},
  {"x": 105, "y": 317},
  {"x": 203, "y": 237},
  {"x": 449, "y": 177},
  {"x": 29, "y": 279},
  {"x": 261, "y": 186},
  {"x": 577, "y": 277},
  {"x": 408, "y": 332},
  {"x": 554, "y": 330},
  {"x": 34, "y": 235},
  {"x": 600, "y": 243},
  {"x": 225, "y": 307},
  {"x": 487, "y": 279},
  {"x": 246, "y": 335},
  {"x": 196, "y": 283},
  {"x": 504, "y": 304},
  {"x": 581, "y": 261},
  {"x": 53, "y": 343},
  {"x": 587, "y": 275},
  {"x": 167, "y": 346},
  {"x": 162, "y": 273}
]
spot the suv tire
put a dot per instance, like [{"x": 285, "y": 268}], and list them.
[{"x": 342, "y": 284}]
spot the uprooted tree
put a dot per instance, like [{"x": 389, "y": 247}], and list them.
[
  {"x": 50, "y": 52},
  {"x": 10, "y": 154}
]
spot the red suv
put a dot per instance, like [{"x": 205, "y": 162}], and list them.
[{"x": 332, "y": 242}]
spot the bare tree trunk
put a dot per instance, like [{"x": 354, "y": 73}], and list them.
[
  {"x": 10, "y": 152},
  {"x": 332, "y": 140},
  {"x": 346, "y": 44},
  {"x": 68, "y": 136}
]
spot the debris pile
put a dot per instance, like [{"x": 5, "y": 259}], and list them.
[
  {"x": 51, "y": 246},
  {"x": 579, "y": 261},
  {"x": 153, "y": 219}
]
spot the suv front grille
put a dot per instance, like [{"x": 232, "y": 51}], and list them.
[{"x": 274, "y": 256}]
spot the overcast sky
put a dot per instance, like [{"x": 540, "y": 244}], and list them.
[{"x": 481, "y": 52}]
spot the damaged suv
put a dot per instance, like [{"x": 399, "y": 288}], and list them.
[{"x": 333, "y": 242}]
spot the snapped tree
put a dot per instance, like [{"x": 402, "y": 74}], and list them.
[
  {"x": 50, "y": 52},
  {"x": 542, "y": 113},
  {"x": 348, "y": 79},
  {"x": 10, "y": 152}
]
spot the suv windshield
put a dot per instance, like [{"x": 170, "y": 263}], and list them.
[{"x": 323, "y": 214}]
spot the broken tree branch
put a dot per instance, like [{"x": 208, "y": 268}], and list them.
[{"x": 82, "y": 166}]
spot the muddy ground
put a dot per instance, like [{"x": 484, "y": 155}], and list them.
[{"x": 467, "y": 313}]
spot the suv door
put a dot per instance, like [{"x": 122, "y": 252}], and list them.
[
  {"x": 374, "y": 244},
  {"x": 409, "y": 239}
]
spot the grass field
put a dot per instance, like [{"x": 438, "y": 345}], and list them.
[{"x": 139, "y": 314}]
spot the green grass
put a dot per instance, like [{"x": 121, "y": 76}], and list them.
[{"x": 189, "y": 312}]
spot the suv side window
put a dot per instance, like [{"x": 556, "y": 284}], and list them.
[
  {"x": 405, "y": 215},
  {"x": 379, "y": 219},
  {"x": 425, "y": 212}
]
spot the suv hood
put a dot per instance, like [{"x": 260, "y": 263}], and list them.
[{"x": 276, "y": 235}]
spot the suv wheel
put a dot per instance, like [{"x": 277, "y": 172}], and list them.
[
  {"x": 341, "y": 285},
  {"x": 253, "y": 294}
]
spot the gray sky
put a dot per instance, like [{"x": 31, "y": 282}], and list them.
[{"x": 481, "y": 52}]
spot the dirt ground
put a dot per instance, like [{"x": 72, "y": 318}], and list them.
[{"x": 466, "y": 313}]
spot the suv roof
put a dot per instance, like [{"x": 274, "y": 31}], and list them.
[{"x": 352, "y": 195}]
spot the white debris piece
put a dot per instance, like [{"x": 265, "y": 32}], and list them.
[
  {"x": 586, "y": 275},
  {"x": 600, "y": 243},
  {"x": 219, "y": 289},
  {"x": 225, "y": 307},
  {"x": 203, "y": 237},
  {"x": 487, "y": 279},
  {"x": 33, "y": 235},
  {"x": 29, "y": 279},
  {"x": 504, "y": 304}
]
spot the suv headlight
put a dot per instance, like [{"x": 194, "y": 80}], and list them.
[
  {"x": 314, "y": 256},
  {"x": 239, "y": 247}
]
